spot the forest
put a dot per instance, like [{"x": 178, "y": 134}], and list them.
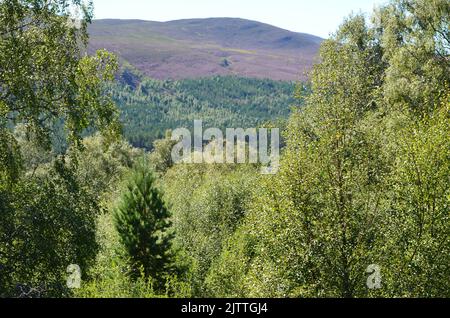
[
  {"x": 151, "y": 107},
  {"x": 364, "y": 179}
]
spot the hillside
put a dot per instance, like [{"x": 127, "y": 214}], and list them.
[
  {"x": 155, "y": 106},
  {"x": 207, "y": 47}
]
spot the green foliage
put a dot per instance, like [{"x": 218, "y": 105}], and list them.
[
  {"x": 365, "y": 175},
  {"x": 161, "y": 156},
  {"x": 46, "y": 77},
  {"x": 416, "y": 42},
  {"x": 420, "y": 212},
  {"x": 154, "y": 107},
  {"x": 101, "y": 165},
  {"x": 10, "y": 156},
  {"x": 314, "y": 223},
  {"x": 227, "y": 274},
  {"x": 47, "y": 223},
  {"x": 112, "y": 275},
  {"x": 208, "y": 203},
  {"x": 142, "y": 221},
  {"x": 32, "y": 155},
  {"x": 47, "y": 216}
]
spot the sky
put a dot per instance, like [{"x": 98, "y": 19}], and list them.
[{"x": 317, "y": 17}]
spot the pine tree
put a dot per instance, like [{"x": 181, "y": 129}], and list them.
[{"x": 142, "y": 221}]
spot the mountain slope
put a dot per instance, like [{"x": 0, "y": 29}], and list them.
[
  {"x": 206, "y": 47},
  {"x": 155, "y": 106}
]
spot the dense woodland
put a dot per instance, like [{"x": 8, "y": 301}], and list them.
[
  {"x": 364, "y": 177},
  {"x": 151, "y": 107}
]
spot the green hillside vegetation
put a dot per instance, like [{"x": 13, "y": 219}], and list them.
[
  {"x": 151, "y": 107},
  {"x": 364, "y": 178}
]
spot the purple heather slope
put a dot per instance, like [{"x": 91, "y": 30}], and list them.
[{"x": 206, "y": 47}]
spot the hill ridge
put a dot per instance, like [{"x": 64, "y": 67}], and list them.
[{"x": 193, "y": 48}]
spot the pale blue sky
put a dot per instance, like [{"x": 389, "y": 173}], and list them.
[{"x": 318, "y": 17}]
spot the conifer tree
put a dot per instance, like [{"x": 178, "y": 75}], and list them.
[{"x": 142, "y": 221}]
